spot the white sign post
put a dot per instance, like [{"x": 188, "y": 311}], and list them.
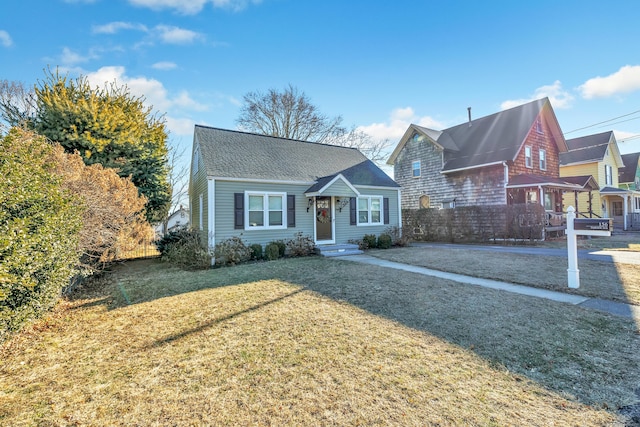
[
  {"x": 581, "y": 227},
  {"x": 573, "y": 274}
]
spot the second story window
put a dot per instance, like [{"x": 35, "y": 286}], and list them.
[
  {"x": 415, "y": 169},
  {"x": 528, "y": 160},
  {"x": 543, "y": 160},
  {"x": 608, "y": 175}
]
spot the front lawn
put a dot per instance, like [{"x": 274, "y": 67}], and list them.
[
  {"x": 314, "y": 341},
  {"x": 598, "y": 279}
]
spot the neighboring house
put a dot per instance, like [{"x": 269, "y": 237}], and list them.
[
  {"x": 265, "y": 188},
  {"x": 596, "y": 155},
  {"x": 179, "y": 218},
  {"x": 510, "y": 157},
  {"x": 629, "y": 179}
]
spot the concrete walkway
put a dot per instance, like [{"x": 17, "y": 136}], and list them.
[{"x": 615, "y": 308}]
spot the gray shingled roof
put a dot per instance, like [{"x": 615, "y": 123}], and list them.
[
  {"x": 628, "y": 172},
  {"x": 490, "y": 139},
  {"x": 235, "y": 154},
  {"x": 590, "y": 148}
]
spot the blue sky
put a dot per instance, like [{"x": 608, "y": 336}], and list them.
[{"x": 381, "y": 65}]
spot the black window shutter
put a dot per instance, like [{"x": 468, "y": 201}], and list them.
[
  {"x": 353, "y": 213},
  {"x": 238, "y": 207},
  {"x": 385, "y": 207},
  {"x": 291, "y": 210}
]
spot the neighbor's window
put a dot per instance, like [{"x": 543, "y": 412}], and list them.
[
  {"x": 415, "y": 169},
  {"x": 608, "y": 175},
  {"x": 528, "y": 160},
  {"x": 532, "y": 196},
  {"x": 369, "y": 210},
  {"x": 543, "y": 160},
  {"x": 637, "y": 203},
  {"x": 265, "y": 210}
]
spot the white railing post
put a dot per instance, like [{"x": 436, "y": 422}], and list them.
[{"x": 573, "y": 274}]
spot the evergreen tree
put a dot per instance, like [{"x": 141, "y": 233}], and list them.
[{"x": 111, "y": 127}]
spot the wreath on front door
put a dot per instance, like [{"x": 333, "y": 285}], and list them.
[{"x": 323, "y": 216}]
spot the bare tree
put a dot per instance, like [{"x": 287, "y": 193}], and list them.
[
  {"x": 375, "y": 150},
  {"x": 17, "y": 103},
  {"x": 290, "y": 114},
  {"x": 287, "y": 114}
]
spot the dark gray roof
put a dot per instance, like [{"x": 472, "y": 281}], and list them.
[
  {"x": 235, "y": 154},
  {"x": 490, "y": 139},
  {"x": 590, "y": 148},
  {"x": 628, "y": 172}
]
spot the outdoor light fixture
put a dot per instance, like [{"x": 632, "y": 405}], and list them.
[
  {"x": 309, "y": 203},
  {"x": 341, "y": 203}
]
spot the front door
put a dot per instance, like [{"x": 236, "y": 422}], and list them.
[{"x": 324, "y": 219}]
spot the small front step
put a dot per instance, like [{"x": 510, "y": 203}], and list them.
[{"x": 342, "y": 249}]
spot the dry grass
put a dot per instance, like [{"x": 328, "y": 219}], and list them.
[
  {"x": 599, "y": 279},
  {"x": 314, "y": 342}
]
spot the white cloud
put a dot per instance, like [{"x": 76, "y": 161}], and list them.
[
  {"x": 175, "y": 35},
  {"x": 155, "y": 94},
  {"x": 559, "y": 98},
  {"x": 397, "y": 124},
  {"x": 114, "y": 27},
  {"x": 180, "y": 126},
  {"x": 69, "y": 57},
  {"x": 5, "y": 39},
  {"x": 164, "y": 65},
  {"x": 625, "y": 80},
  {"x": 192, "y": 7}
]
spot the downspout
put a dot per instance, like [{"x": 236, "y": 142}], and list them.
[{"x": 506, "y": 182}]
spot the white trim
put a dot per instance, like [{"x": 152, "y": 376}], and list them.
[
  {"x": 265, "y": 210},
  {"x": 548, "y": 184},
  {"x": 201, "y": 211},
  {"x": 330, "y": 183},
  {"x": 333, "y": 222},
  {"x": 399, "y": 212},
  {"x": 261, "y": 181},
  {"x": 211, "y": 204}
]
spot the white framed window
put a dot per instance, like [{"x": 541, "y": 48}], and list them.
[
  {"x": 608, "y": 175},
  {"x": 415, "y": 169},
  {"x": 265, "y": 210},
  {"x": 539, "y": 128},
  {"x": 370, "y": 210},
  {"x": 528, "y": 159},
  {"x": 543, "y": 160},
  {"x": 637, "y": 203}
]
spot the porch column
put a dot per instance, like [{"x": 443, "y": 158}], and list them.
[
  {"x": 541, "y": 191},
  {"x": 590, "y": 204},
  {"x": 624, "y": 212},
  {"x": 575, "y": 194}
]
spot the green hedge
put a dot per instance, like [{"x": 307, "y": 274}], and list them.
[{"x": 39, "y": 227}]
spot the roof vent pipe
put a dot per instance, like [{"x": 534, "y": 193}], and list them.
[{"x": 469, "y": 111}]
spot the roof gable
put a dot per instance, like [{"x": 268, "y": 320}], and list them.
[
  {"x": 628, "y": 172},
  {"x": 488, "y": 140},
  {"x": 591, "y": 148},
  {"x": 242, "y": 155}
]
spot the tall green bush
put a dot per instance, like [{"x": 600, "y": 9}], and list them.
[
  {"x": 39, "y": 226},
  {"x": 183, "y": 248}
]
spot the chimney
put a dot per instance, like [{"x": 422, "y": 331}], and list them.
[{"x": 469, "y": 111}]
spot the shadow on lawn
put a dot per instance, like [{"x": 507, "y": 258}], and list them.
[{"x": 582, "y": 353}]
